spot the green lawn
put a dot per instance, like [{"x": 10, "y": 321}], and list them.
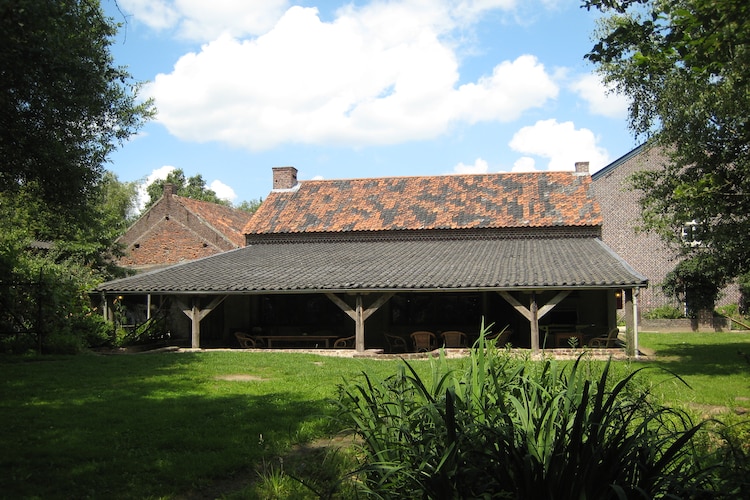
[
  {"x": 166, "y": 425},
  {"x": 156, "y": 425},
  {"x": 709, "y": 362}
]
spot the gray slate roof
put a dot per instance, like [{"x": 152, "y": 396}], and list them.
[{"x": 499, "y": 264}]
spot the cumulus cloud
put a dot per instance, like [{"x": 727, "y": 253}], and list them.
[
  {"x": 561, "y": 143},
  {"x": 602, "y": 99},
  {"x": 480, "y": 166},
  {"x": 156, "y": 174},
  {"x": 200, "y": 20},
  {"x": 524, "y": 164},
  {"x": 223, "y": 191},
  {"x": 378, "y": 74}
]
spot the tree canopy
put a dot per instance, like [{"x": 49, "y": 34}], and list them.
[
  {"x": 193, "y": 187},
  {"x": 685, "y": 65},
  {"x": 64, "y": 106}
]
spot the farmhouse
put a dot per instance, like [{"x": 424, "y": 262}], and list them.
[{"x": 382, "y": 257}]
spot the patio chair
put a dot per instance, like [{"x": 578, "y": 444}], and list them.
[
  {"x": 246, "y": 341},
  {"x": 396, "y": 343},
  {"x": 500, "y": 338},
  {"x": 345, "y": 342},
  {"x": 454, "y": 338},
  {"x": 423, "y": 341},
  {"x": 608, "y": 341}
]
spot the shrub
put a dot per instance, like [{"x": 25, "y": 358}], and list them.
[
  {"x": 505, "y": 427},
  {"x": 664, "y": 312}
]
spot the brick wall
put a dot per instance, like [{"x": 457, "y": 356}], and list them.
[
  {"x": 167, "y": 234},
  {"x": 645, "y": 252}
]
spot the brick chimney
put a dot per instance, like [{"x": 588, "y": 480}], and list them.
[
  {"x": 582, "y": 168},
  {"x": 284, "y": 177},
  {"x": 169, "y": 189}
]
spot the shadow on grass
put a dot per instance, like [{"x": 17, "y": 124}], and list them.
[
  {"x": 705, "y": 358},
  {"x": 142, "y": 426}
]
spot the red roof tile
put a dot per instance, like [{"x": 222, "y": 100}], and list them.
[
  {"x": 503, "y": 200},
  {"x": 225, "y": 220}
]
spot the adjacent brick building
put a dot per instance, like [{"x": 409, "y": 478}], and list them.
[
  {"x": 178, "y": 229},
  {"x": 621, "y": 213}
]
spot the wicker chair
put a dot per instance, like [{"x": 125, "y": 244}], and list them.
[
  {"x": 423, "y": 341},
  {"x": 500, "y": 338},
  {"x": 396, "y": 343},
  {"x": 345, "y": 342},
  {"x": 454, "y": 338},
  {"x": 245, "y": 340},
  {"x": 607, "y": 341}
]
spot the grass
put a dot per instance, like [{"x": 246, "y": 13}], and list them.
[
  {"x": 167, "y": 425},
  {"x": 711, "y": 363},
  {"x": 157, "y": 425}
]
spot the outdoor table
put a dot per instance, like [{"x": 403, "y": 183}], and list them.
[
  {"x": 561, "y": 339},
  {"x": 270, "y": 339}
]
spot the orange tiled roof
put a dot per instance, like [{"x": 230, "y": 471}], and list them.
[
  {"x": 226, "y": 220},
  {"x": 512, "y": 200}
]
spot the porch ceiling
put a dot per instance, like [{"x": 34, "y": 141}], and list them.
[{"x": 493, "y": 264}]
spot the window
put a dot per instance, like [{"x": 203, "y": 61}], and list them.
[{"x": 691, "y": 233}]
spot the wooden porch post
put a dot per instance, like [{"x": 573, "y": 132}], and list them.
[
  {"x": 533, "y": 313},
  {"x": 195, "y": 325},
  {"x": 636, "y": 292},
  {"x": 631, "y": 322},
  {"x": 196, "y": 315},
  {"x": 534, "y": 322},
  {"x": 106, "y": 311},
  {"x": 359, "y": 326},
  {"x": 359, "y": 314}
]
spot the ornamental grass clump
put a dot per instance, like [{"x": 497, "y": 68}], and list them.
[{"x": 501, "y": 426}]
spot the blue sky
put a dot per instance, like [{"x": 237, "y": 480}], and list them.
[{"x": 363, "y": 89}]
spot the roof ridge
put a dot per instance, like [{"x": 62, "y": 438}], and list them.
[{"x": 430, "y": 176}]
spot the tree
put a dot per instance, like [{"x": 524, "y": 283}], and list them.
[
  {"x": 64, "y": 106},
  {"x": 193, "y": 187},
  {"x": 685, "y": 65},
  {"x": 250, "y": 206}
]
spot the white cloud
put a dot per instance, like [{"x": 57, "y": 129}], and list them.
[
  {"x": 469, "y": 10},
  {"x": 602, "y": 99},
  {"x": 524, "y": 164},
  {"x": 156, "y": 174},
  {"x": 561, "y": 143},
  {"x": 379, "y": 74},
  {"x": 223, "y": 191},
  {"x": 480, "y": 166},
  {"x": 202, "y": 20},
  {"x": 156, "y": 14}
]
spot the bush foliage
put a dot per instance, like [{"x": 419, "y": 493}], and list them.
[
  {"x": 664, "y": 312},
  {"x": 510, "y": 428}
]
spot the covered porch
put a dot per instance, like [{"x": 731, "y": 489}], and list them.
[
  {"x": 374, "y": 321},
  {"x": 540, "y": 289}
]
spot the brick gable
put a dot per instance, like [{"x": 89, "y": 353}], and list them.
[{"x": 177, "y": 229}]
